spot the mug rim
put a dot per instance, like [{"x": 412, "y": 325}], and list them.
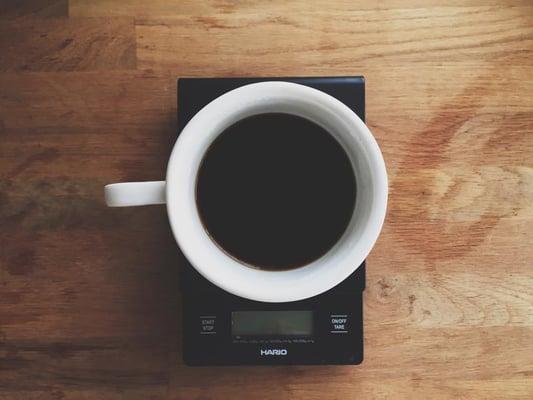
[{"x": 204, "y": 253}]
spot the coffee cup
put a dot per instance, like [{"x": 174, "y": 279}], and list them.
[{"x": 179, "y": 192}]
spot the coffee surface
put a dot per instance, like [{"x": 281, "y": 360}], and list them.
[{"x": 275, "y": 191}]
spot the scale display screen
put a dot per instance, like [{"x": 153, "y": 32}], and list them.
[{"x": 272, "y": 323}]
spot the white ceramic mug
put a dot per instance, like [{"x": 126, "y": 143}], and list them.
[{"x": 178, "y": 192}]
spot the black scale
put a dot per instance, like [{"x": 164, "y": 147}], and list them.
[{"x": 222, "y": 329}]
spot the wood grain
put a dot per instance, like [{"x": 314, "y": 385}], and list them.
[
  {"x": 40, "y": 8},
  {"x": 334, "y": 41},
  {"x": 67, "y": 44},
  {"x": 89, "y": 299},
  {"x": 154, "y": 8}
]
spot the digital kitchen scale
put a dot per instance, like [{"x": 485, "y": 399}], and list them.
[{"x": 222, "y": 329}]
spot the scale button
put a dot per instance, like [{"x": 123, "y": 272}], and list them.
[
  {"x": 339, "y": 323},
  {"x": 208, "y": 324}
]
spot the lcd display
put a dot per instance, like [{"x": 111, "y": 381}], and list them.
[{"x": 272, "y": 323}]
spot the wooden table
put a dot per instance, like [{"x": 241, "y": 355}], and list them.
[{"x": 89, "y": 300}]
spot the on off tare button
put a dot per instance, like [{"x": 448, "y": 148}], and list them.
[
  {"x": 208, "y": 324},
  {"x": 339, "y": 323}
]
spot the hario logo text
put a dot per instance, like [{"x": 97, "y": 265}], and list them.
[{"x": 273, "y": 352}]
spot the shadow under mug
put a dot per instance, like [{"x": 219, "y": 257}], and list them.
[{"x": 178, "y": 192}]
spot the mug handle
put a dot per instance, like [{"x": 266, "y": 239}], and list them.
[{"x": 135, "y": 194}]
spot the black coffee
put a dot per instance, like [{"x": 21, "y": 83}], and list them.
[{"x": 275, "y": 191}]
